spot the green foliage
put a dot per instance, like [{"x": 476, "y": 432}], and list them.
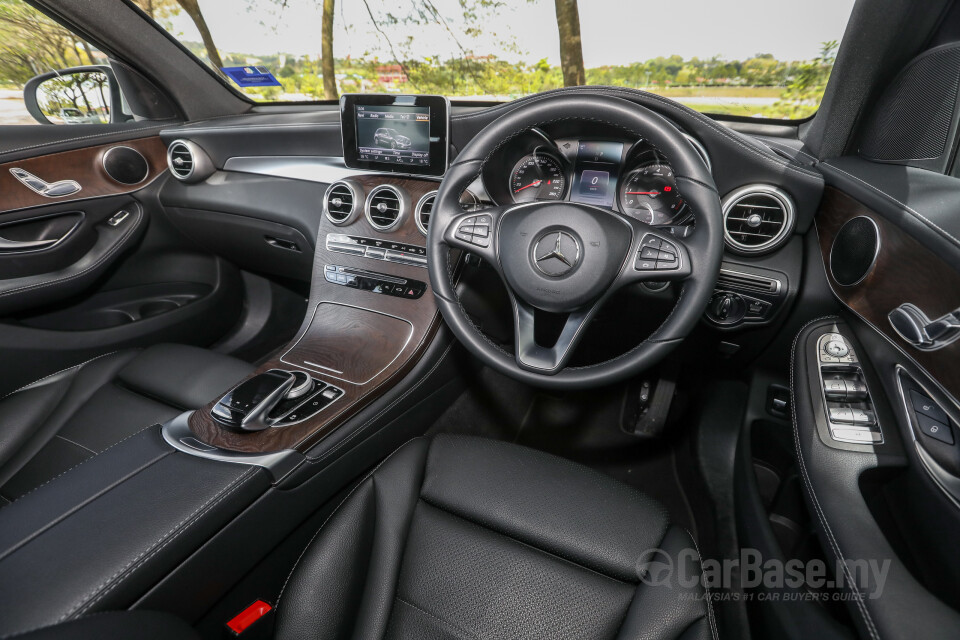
[{"x": 802, "y": 96}]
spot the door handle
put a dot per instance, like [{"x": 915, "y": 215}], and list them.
[
  {"x": 29, "y": 245},
  {"x": 925, "y": 334}
]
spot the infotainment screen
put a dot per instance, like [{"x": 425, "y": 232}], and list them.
[{"x": 400, "y": 134}]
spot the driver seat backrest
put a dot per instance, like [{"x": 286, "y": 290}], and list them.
[{"x": 460, "y": 537}]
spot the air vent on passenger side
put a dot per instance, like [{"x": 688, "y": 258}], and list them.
[
  {"x": 386, "y": 206},
  {"x": 757, "y": 218},
  {"x": 188, "y": 162},
  {"x": 424, "y": 210},
  {"x": 342, "y": 202}
]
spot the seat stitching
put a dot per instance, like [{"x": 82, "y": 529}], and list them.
[
  {"x": 56, "y": 373},
  {"x": 706, "y": 592},
  {"x": 116, "y": 247},
  {"x": 334, "y": 512},
  {"x": 886, "y": 195},
  {"x": 835, "y": 547},
  {"x": 82, "y": 462},
  {"x": 100, "y": 591},
  {"x": 438, "y": 618},
  {"x": 75, "y": 443},
  {"x": 557, "y": 554}
]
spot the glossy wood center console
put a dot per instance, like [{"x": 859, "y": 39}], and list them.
[{"x": 360, "y": 341}]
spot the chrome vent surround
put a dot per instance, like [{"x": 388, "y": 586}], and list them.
[
  {"x": 386, "y": 206},
  {"x": 739, "y": 280},
  {"x": 342, "y": 201},
  {"x": 757, "y": 218},
  {"x": 181, "y": 160},
  {"x": 424, "y": 210}
]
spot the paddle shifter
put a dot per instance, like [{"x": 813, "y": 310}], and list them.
[{"x": 275, "y": 398}]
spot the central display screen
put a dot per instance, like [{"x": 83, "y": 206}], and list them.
[
  {"x": 596, "y": 171},
  {"x": 398, "y": 134}
]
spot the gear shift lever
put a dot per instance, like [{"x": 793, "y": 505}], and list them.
[{"x": 247, "y": 407}]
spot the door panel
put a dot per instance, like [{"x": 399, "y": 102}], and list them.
[
  {"x": 83, "y": 166},
  {"x": 893, "y": 500},
  {"x": 101, "y": 268}
]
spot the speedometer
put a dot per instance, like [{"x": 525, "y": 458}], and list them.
[
  {"x": 537, "y": 176},
  {"x": 650, "y": 195}
]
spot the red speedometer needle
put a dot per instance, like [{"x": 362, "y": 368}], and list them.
[
  {"x": 535, "y": 183},
  {"x": 643, "y": 193}
]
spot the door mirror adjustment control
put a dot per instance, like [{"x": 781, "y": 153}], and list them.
[
  {"x": 849, "y": 409},
  {"x": 275, "y": 398}
]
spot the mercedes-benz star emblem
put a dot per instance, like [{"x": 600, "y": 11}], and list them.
[{"x": 556, "y": 253}]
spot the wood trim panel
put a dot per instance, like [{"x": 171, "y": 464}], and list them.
[
  {"x": 905, "y": 271},
  {"x": 325, "y": 339},
  {"x": 83, "y": 165}
]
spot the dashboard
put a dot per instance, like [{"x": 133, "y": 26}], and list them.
[{"x": 629, "y": 176}]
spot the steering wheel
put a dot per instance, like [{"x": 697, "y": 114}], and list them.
[{"x": 568, "y": 258}]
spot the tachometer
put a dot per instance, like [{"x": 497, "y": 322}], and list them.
[
  {"x": 537, "y": 176},
  {"x": 650, "y": 195}
]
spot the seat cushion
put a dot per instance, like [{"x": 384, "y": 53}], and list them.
[
  {"x": 461, "y": 537},
  {"x": 59, "y": 421}
]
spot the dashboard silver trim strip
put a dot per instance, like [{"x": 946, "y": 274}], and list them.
[{"x": 322, "y": 169}]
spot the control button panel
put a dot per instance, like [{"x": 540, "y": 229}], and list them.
[
  {"x": 374, "y": 282},
  {"x": 291, "y": 403},
  {"x": 656, "y": 254},
  {"x": 850, "y": 413},
  {"x": 475, "y": 230},
  {"x": 375, "y": 249},
  {"x": 931, "y": 419}
]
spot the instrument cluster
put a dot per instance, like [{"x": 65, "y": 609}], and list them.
[{"x": 628, "y": 176}]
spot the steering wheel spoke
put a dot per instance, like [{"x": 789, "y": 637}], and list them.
[{"x": 546, "y": 360}]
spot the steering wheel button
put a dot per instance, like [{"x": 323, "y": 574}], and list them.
[
  {"x": 481, "y": 230},
  {"x": 666, "y": 255},
  {"x": 649, "y": 253},
  {"x": 646, "y": 265},
  {"x": 651, "y": 241},
  {"x": 664, "y": 265}
]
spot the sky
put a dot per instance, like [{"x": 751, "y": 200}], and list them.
[{"x": 613, "y": 31}]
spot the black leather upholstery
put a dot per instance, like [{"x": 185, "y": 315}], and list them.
[
  {"x": 55, "y": 423},
  {"x": 465, "y": 538},
  {"x": 125, "y": 625}
]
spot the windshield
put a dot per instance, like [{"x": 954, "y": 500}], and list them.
[{"x": 763, "y": 58}]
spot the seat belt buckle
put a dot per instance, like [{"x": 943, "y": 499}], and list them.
[{"x": 250, "y": 622}]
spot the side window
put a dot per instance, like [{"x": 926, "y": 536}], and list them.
[{"x": 50, "y": 76}]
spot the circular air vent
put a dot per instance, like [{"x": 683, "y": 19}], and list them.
[
  {"x": 342, "y": 202},
  {"x": 757, "y": 218},
  {"x": 180, "y": 159},
  {"x": 188, "y": 161},
  {"x": 424, "y": 209},
  {"x": 385, "y": 207}
]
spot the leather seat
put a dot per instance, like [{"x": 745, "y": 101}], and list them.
[
  {"x": 457, "y": 538},
  {"x": 461, "y": 537},
  {"x": 59, "y": 421}
]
